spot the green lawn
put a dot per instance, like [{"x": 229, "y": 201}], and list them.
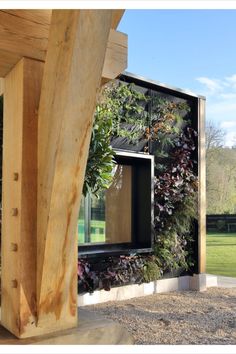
[{"x": 221, "y": 254}]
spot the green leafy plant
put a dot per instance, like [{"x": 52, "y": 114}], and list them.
[
  {"x": 101, "y": 162},
  {"x": 128, "y": 111},
  {"x": 175, "y": 203},
  {"x": 119, "y": 113},
  {"x": 152, "y": 270},
  {"x": 171, "y": 139},
  {"x": 117, "y": 270}
]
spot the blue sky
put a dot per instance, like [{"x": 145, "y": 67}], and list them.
[{"x": 191, "y": 49}]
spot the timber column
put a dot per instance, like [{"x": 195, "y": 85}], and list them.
[
  {"x": 22, "y": 88},
  {"x": 48, "y": 118},
  {"x": 202, "y": 187}
]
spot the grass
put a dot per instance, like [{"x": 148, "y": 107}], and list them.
[{"x": 221, "y": 254}]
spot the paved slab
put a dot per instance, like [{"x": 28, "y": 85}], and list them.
[
  {"x": 226, "y": 282},
  {"x": 220, "y": 281},
  {"x": 92, "y": 329}
]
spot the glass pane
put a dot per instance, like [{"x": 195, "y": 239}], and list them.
[
  {"x": 98, "y": 225},
  {"x": 81, "y": 222},
  {"x": 107, "y": 219}
]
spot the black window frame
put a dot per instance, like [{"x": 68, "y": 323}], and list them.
[{"x": 142, "y": 215}]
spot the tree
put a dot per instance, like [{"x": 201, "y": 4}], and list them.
[
  {"x": 215, "y": 136},
  {"x": 221, "y": 182},
  {"x": 220, "y": 172}
]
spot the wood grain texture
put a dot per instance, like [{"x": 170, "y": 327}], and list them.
[
  {"x": 72, "y": 74},
  {"x": 116, "y": 55},
  {"x": 40, "y": 17},
  {"x": 23, "y": 37},
  {"x": 1, "y": 86},
  {"x": 7, "y": 61},
  {"x": 19, "y": 229},
  {"x": 202, "y": 187},
  {"x": 119, "y": 206},
  {"x": 24, "y": 33},
  {"x": 116, "y": 17}
]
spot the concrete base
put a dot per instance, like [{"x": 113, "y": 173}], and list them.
[
  {"x": 196, "y": 282},
  {"x": 220, "y": 281},
  {"x": 211, "y": 281},
  {"x": 92, "y": 329}
]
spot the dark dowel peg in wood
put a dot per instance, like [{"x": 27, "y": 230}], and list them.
[
  {"x": 14, "y": 212},
  {"x": 14, "y": 283},
  {"x": 15, "y": 176},
  {"x": 14, "y": 247}
]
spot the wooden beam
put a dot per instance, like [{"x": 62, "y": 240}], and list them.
[
  {"x": 22, "y": 37},
  {"x": 116, "y": 18},
  {"x": 39, "y": 17},
  {"x": 202, "y": 187},
  {"x": 7, "y": 61},
  {"x": 43, "y": 17},
  {"x": 71, "y": 82},
  {"x": 120, "y": 58},
  {"x": 21, "y": 98},
  {"x": 116, "y": 55},
  {"x": 24, "y": 33}
]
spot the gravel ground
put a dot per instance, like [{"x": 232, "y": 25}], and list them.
[{"x": 177, "y": 318}]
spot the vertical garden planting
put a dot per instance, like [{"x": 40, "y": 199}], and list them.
[{"x": 147, "y": 118}]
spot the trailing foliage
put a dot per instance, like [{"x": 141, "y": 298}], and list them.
[
  {"x": 113, "y": 271},
  {"x": 101, "y": 162},
  {"x": 120, "y": 113},
  {"x": 127, "y": 106},
  {"x": 152, "y": 270},
  {"x": 166, "y": 121},
  {"x": 175, "y": 187}
]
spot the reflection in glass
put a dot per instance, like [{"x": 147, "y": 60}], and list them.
[
  {"x": 98, "y": 225},
  {"x": 108, "y": 219},
  {"x": 118, "y": 206},
  {"x": 81, "y": 223}
]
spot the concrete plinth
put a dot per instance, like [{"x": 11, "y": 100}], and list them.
[
  {"x": 136, "y": 290},
  {"x": 92, "y": 329},
  {"x": 198, "y": 282}
]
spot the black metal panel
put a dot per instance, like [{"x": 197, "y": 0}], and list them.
[
  {"x": 157, "y": 86},
  {"x": 142, "y": 210}
]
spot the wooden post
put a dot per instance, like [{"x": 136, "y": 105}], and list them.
[
  {"x": 72, "y": 74},
  {"x": 45, "y": 157},
  {"x": 21, "y": 98},
  {"x": 202, "y": 187}
]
